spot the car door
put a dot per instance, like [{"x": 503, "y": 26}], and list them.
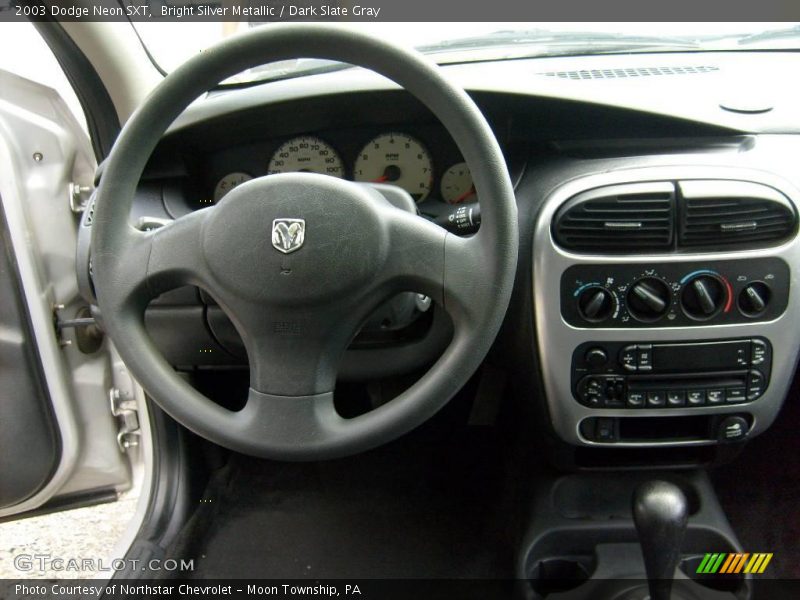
[{"x": 69, "y": 428}]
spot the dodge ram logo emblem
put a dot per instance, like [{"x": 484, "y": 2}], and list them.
[{"x": 288, "y": 235}]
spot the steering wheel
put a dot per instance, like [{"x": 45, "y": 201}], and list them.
[{"x": 299, "y": 261}]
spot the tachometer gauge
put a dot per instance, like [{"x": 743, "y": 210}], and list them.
[
  {"x": 227, "y": 183},
  {"x": 398, "y": 159},
  {"x": 306, "y": 154},
  {"x": 457, "y": 184}
]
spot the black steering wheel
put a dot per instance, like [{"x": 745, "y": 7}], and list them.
[{"x": 298, "y": 261}]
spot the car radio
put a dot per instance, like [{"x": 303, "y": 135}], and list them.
[{"x": 670, "y": 374}]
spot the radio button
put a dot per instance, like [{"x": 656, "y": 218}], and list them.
[
  {"x": 715, "y": 396},
  {"x": 645, "y": 358},
  {"x": 628, "y": 358},
  {"x": 596, "y": 357},
  {"x": 635, "y": 399},
  {"x": 755, "y": 384},
  {"x": 696, "y": 397},
  {"x": 591, "y": 392},
  {"x": 676, "y": 398},
  {"x": 615, "y": 393},
  {"x": 759, "y": 352},
  {"x": 736, "y": 394},
  {"x": 655, "y": 399},
  {"x": 741, "y": 357}
]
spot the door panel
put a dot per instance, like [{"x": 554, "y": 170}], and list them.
[
  {"x": 30, "y": 446},
  {"x": 57, "y": 434}
]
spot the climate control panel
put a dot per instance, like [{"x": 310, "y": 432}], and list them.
[{"x": 674, "y": 294}]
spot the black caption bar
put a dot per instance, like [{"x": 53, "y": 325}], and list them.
[
  {"x": 241, "y": 589},
  {"x": 396, "y": 10},
  {"x": 365, "y": 589}
]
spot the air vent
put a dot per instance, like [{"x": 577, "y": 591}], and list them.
[
  {"x": 637, "y": 216},
  {"x": 629, "y": 73},
  {"x": 733, "y": 213}
]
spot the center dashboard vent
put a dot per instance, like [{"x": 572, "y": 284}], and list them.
[
  {"x": 670, "y": 216},
  {"x": 636, "y": 216},
  {"x": 733, "y": 213}
]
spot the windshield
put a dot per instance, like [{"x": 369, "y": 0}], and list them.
[{"x": 170, "y": 44}]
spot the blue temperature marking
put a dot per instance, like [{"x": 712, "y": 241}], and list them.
[
  {"x": 583, "y": 287},
  {"x": 700, "y": 272}
]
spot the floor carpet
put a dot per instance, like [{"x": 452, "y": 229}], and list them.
[{"x": 417, "y": 508}]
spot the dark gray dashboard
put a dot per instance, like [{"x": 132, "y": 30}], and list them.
[{"x": 565, "y": 125}]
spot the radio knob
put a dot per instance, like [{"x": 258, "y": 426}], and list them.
[
  {"x": 595, "y": 304},
  {"x": 649, "y": 299},
  {"x": 753, "y": 299},
  {"x": 596, "y": 357},
  {"x": 703, "y": 297}
]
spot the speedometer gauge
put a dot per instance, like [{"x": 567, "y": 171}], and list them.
[
  {"x": 227, "y": 183},
  {"x": 306, "y": 154},
  {"x": 398, "y": 159}
]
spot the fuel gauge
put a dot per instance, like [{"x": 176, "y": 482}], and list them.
[
  {"x": 227, "y": 183},
  {"x": 457, "y": 184}
]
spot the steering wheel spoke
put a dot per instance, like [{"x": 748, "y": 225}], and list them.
[
  {"x": 416, "y": 258},
  {"x": 295, "y": 351},
  {"x": 156, "y": 261},
  {"x": 425, "y": 258},
  {"x": 469, "y": 288},
  {"x": 176, "y": 255}
]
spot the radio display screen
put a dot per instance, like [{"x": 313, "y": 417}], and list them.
[{"x": 705, "y": 356}]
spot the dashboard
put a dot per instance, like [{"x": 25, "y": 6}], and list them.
[{"x": 656, "y": 297}]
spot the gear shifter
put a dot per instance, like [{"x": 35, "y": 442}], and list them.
[{"x": 660, "y": 512}]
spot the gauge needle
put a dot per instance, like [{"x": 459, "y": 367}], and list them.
[
  {"x": 390, "y": 173},
  {"x": 465, "y": 195}
]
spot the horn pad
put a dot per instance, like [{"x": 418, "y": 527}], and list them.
[{"x": 296, "y": 238}]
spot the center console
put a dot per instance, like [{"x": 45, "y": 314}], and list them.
[
  {"x": 628, "y": 535},
  {"x": 666, "y": 307}
]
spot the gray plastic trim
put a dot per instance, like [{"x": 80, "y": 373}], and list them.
[{"x": 557, "y": 339}]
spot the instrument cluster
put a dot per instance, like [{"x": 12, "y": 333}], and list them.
[{"x": 392, "y": 157}]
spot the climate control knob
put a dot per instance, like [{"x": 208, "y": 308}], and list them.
[
  {"x": 703, "y": 297},
  {"x": 754, "y": 298},
  {"x": 595, "y": 304},
  {"x": 649, "y": 299}
]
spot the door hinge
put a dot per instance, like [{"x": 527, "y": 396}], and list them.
[
  {"x": 125, "y": 409},
  {"x": 78, "y": 197},
  {"x": 87, "y": 330}
]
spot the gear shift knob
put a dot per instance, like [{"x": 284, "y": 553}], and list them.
[{"x": 660, "y": 512}]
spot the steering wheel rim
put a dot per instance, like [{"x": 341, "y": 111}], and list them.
[{"x": 471, "y": 278}]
